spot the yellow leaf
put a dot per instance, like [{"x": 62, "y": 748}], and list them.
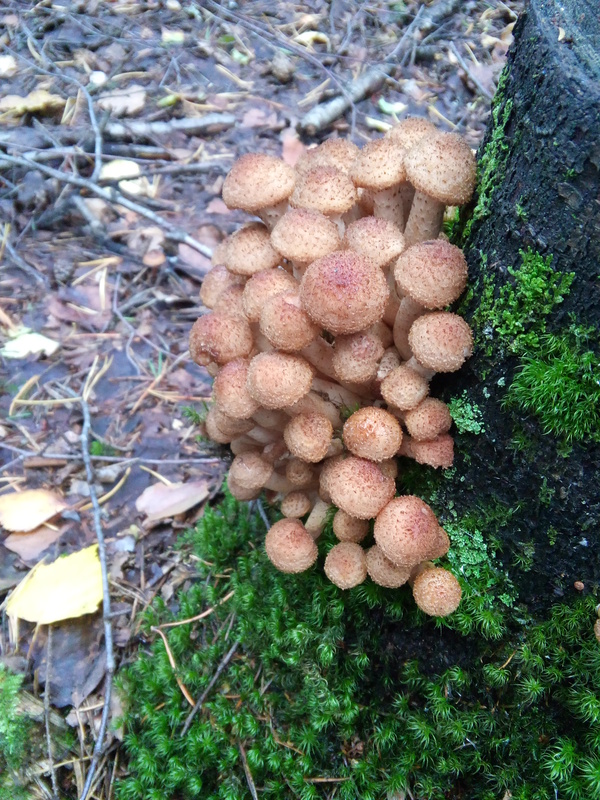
[
  {"x": 38, "y": 100},
  {"x": 24, "y": 511},
  {"x": 69, "y": 587}
]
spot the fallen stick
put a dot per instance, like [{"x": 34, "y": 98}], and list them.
[{"x": 138, "y": 129}]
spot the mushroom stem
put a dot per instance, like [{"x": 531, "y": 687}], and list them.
[
  {"x": 425, "y": 219},
  {"x": 414, "y": 364},
  {"x": 339, "y": 395},
  {"x": 271, "y": 215},
  {"x": 387, "y": 204},
  {"x": 408, "y": 312},
  {"x": 317, "y": 518},
  {"x": 312, "y": 402}
]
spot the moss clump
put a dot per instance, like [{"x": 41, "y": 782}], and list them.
[
  {"x": 324, "y": 692},
  {"x": 467, "y": 415},
  {"x": 14, "y": 733}
]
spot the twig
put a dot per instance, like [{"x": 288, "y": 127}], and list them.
[
  {"x": 173, "y": 663},
  {"x": 47, "y": 713},
  {"x": 470, "y": 75},
  {"x": 204, "y": 614},
  {"x": 247, "y": 772},
  {"x": 114, "y": 198},
  {"x": 262, "y": 513},
  {"x": 227, "y": 658},
  {"x": 139, "y": 129},
  {"x": 23, "y": 265}
]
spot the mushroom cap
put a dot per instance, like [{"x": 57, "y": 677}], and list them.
[
  {"x": 324, "y": 189},
  {"x": 372, "y": 433},
  {"x": 278, "y": 380},
  {"x": 249, "y": 250},
  {"x": 359, "y": 487},
  {"x": 437, "y": 592},
  {"x": 299, "y": 472},
  {"x": 303, "y": 235},
  {"x": 383, "y": 571},
  {"x": 239, "y": 492},
  {"x": 346, "y": 565},
  {"x": 262, "y": 285},
  {"x": 411, "y": 130},
  {"x": 230, "y": 390},
  {"x": 349, "y": 529},
  {"x": 428, "y": 420},
  {"x": 406, "y": 530},
  {"x": 442, "y": 167},
  {"x": 308, "y": 436},
  {"x": 441, "y": 341},
  {"x": 216, "y": 281},
  {"x": 404, "y": 388},
  {"x": 286, "y": 324},
  {"x": 356, "y": 356},
  {"x": 344, "y": 292},
  {"x": 433, "y": 273},
  {"x": 337, "y": 153},
  {"x": 295, "y": 505},
  {"x": 379, "y": 165},
  {"x": 220, "y": 338},
  {"x": 379, "y": 239},
  {"x": 258, "y": 181},
  {"x": 230, "y": 426},
  {"x": 250, "y": 470},
  {"x": 325, "y": 474},
  {"x": 438, "y": 452},
  {"x": 218, "y": 254},
  {"x": 290, "y": 547},
  {"x": 213, "y": 431},
  {"x": 230, "y": 302}
]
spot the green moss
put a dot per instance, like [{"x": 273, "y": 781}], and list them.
[
  {"x": 318, "y": 691},
  {"x": 467, "y": 415},
  {"x": 14, "y": 732}
]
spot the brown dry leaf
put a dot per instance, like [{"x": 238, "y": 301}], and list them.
[
  {"x": 217, "y": 206},
  {"x": 30, "y": 545},
  {"x": 25, "y": 511},
  {"x": 194, "y": 259},
  {"x": 38, "y": 101},
  {"x": 123, "y": 102},
  {"x": 257, "y": 117},
  {"x": 292, "y": 146},
  {"x": 161, "y": 501}
]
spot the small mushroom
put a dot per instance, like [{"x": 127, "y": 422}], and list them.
[
  {"x": 349, "y": 529},
  {"x": 441, "y": 341},
  {"x": 372, "y": 433},
  {"x": 437, "y": 592},
  {"x": 383, "y": 571},
  {"x": 259, "y": 184},
  {"x": 346, "y": 565},
  {"x": 290, "y": 547}
]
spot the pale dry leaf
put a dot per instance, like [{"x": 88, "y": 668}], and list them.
[
  {"x": 25, "y": 511},
  {"x": 8, "y": 66},
  {"x": 26, "y": 343},
  {"x": 29, "y": 546},
  {"x": 161, "y": 501},
  {"x": 195, "y": 259},
  {"x": 119, "y": 169},
  {"x": 69, "y": 587},
  {"x": 40, "y": 101},
  {"x": 217, "y": 206},
  {"x": 124, "y": 102}
]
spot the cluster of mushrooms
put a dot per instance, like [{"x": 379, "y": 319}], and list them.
[{"x": 326, "y": 325}]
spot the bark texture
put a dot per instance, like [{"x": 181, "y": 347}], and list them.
[{"x": 535, "y": 493}]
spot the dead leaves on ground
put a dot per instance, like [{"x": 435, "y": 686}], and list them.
[
  {"x": 27, "y": 510},
  {"x": 162, "y": 501}
]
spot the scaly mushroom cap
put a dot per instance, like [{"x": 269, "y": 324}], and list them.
[
  {"x": 220, "y": 338},
  {"x": 213, "y": 431},
  {"x": 359, "y": 487},
  {"x": 344, "y": 292},
  {"x": 428, "y": 420},
  {"x": 383, "y": 572},
  {"x": 230, "y": 390},
  {"x": 263, "y": 285},
  {"x": 308, "y": 436},
  {"x": 250, "y": 470},
  {"x": 378, "y": 239},
  {"x": 290, "y": 547},
  {"x": 336, "y": 153},
  {"x": 258, "y": 181},
  {"x": 324, "y": 189},
  {"x": 277, "y": 380},
  {"x": 356, "y": 357},
  {"x": 295, "y": 505},
  {"x": 442, "y": 167},
  {"x": 218, "y": 254},
  {"x": 285, "y": 323},
  {"x": 230, "y": 426},
  {"x": 326, "y": 470},
  {"x": 409, "y": 131},
  {"x": 299, "y": 472},
  {"x": 406, "y": 530},
  {"x": 441, "y": 341},
  {"x": 239, "y": 492},
  {"x": 438, "y": 453},
  {"x": 379, "y": 165},
  {"x": 404, "y": 388},
  {"x": 303, "y": 235},
  {"x": 437, "y": 592},
  {"x": 249, "y": 250},
  {"x": 230, "y": 302},
  {"x": 433, "y": 273},
  {"x": 349, "y": 529},
  {"x": 346, "y": 565},
  {"x": 372, "y": 433},
  {"x": 216, "y": 281}
]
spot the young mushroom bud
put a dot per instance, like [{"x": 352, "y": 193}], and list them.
[
  {"x": 383, "y": 571},
  {"x": 438, "y": 452},
  {"x": 336, "y": 153},
  {"x": 308, "y": 436},
  {"x": 249, "y": 250},
  {"x": 379, "y": 167},
  {"x": 259, "y": 184},
  {"x": 349, "y": 529},
  {"x": 220, "y": 338},
  {"x": 295, "y": 505},
  {"x": 433, "y": 273},
  {"x": 262, "y": 286},
  {"x": 303, "y": 235},
  {"x": 326, "y": 190},
  {"x": 404, "y": 388},
  {"x": 407, "y": 531},
  {"x": 378, "y": 239},
  {"x": 299, "y": 472},
  {"x": 356, "y": 356},
  {"x": 428, "y": 420},
  {"x": 359, "y": 487},
  {"x": 285, "y": 323},
  {"x": 372, "y": 433},
  {"x": 230, "y": 390},
  {"x": 437, "y": 592},
  {"x": 290, "y": 547},
  {"x": 215, "y": 282},
  {"x": 346, "y": 565},
  {"x": 441, "y": 341},
  {"x": 277, "y": 380}
]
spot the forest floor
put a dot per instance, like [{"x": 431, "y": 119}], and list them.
[{"x": 92, "y": 260}]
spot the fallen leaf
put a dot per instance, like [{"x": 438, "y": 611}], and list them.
[
  {"x": 308, "y": 38},
  {"x": 195, "y": 259},
  {"x": 8, "y": 66},
  {"x": 24, "y": 343},
  {"x": 25, "y": 511},
  {"x": 160, "y": 501},
  {"x": 124, "y": 102},
  {"x": 69, "y": 587},
  {"x": 37, "y": 101},
  {"x": 119, "y": 168},
  {"x": 29, "y": 546},
  {"x": 172, "y": 36},
  {"x": 217, "y": 206}
]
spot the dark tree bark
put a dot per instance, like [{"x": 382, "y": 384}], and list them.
[{"x": 539, "y": 190}]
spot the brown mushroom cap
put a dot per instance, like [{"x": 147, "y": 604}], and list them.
[
  {"x": 433, "y": 273},
  {"x": 258, "y": 181},
  {"x": 290, "y": 547},
  {"x": 438, "y": 452},
  {"x": 213, "y": 431},
  {"x": 378, "y": 239},
  {"x": 295, "y": 505},
  {"x": 359, "y": 487},
  {"x": 230, "y": 426},
  {"x": 299, "y": 472},
  {"x": 216, "y": 281},
  {"x": 337, "y": 153},
  {"x": 441, "y": 341},
  {"x": 250, "y": 471},
  {"x": 442, "y": 167},
  {"x": 437, "y": 592},
  {"x": 372, "y": 433},
  {"x": 344, "y": 292},
  {"x": 263, "y": 285},
  {"x": 379, "y": 165},
  {"x": 230, "y": 390},
  {"x": 277, "y": 380},
  {"x": 302, "y": 235},
  {"x": 406, "y": 530},
  {"x": 346, "y": 565},
  {"x": 218, "y": 254},
  {"x": 324, "y": 189},
  {"x": 384, "y": 572},
  {"x": 239, "y": 492},
  {"x": 220, "y": 338},
  {"x": 249, "y": 250},
  {"x": 308, "y": 436},
  {"x": 428, "y": 420},
  {"x": 324, "y": 476},
  {"x": 411, "y": 130},
  {"x": 349, "y": 529},
  {"x": 230, "y": 302},
  {"x": 285, "y": 323},
  {"x": 404, "y": 388},
  {"x": 356, "y": 356}
]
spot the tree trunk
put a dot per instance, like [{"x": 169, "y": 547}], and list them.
[{"x": 529, "y": 479}]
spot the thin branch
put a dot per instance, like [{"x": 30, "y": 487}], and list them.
[
  {"x": 47, "y": 713},
  {"x": 247, "y": 773},
  {"x": 227, "y": 658}
]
